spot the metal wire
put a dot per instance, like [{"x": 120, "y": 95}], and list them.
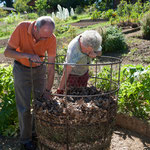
[{"x": 80, "y": 121}]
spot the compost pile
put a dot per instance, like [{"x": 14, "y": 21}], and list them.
[{"x": 78, "y": 119}]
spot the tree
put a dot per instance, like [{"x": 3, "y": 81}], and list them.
[
  {"x": 7, "y": 3},
  {"x": 41, "y": 6},
  {"x": 69, "y": 3},
  {"x": 21, "y": 5}
]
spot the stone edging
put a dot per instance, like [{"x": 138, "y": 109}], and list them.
[
  {"x": 133, "y": 124},
  {"x": 131, "y": 30}
]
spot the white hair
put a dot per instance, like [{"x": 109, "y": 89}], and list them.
[
  {"x": 41, "y": 21},
  {"x": 91, "y": 38}
]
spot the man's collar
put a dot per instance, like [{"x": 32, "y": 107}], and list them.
[{"x": 30, "y": 28}]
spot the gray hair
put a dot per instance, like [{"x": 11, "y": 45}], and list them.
[
  {"x": 41, "y": 21},
  {"x": 91, "y": 38}
]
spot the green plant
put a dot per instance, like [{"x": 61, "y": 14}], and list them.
[
  {"x": 8, "y": 113},
  {"x": 113, "y": 40},
  {"x": 96, "y": 14},
  {"x": 32, "y": 16},
  {"x": 21, "y": 5},
  {"x": 78, "y": 10},
  {"x": 3, "y": 13},
  {"x": 121, "y": 8},
  {"x": 109, "y": 13},
  {"x": 4, "y": 32},
  {"x": 134, "y": 93},
  {"x": 146, "y": 26},
  {"x": 72, "y": 31},
  {"x": 61, "y": 28},
  {"x": 12, "y": 18},
  {"x": 41, "y": 6},
  {"x": 74, "y": 17}
]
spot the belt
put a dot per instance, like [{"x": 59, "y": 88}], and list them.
[{"x": 18, "y": 63}]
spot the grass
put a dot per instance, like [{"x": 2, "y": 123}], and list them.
[
  {"x": 2, "y": 50},
  {"x": 79, "y": 30}
]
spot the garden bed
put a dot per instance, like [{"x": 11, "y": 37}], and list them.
[
  {"x": 133, "y": 124},
  {"x": 138, "y": 53},
  {"x": 87, "y": 22}
]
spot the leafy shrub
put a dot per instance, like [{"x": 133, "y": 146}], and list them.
[
  {"x": 113, "y": 40},
  {"x": 4, "y": 32},
  {"x": 74, "y": 17},
  {"x": 72, "y": 32},
  {"x": 60, "y": 29},
  {"x": 108, "y": 14},
  {"x": 96, "y": 14},
  {"x": 3, "y": 13},
  {"x": 13, "y": 17},
  {"x": 105, "y": 75},
  {"x": 146, "y": 26},
  {"x": 134, "y": 93},
  {"x": 21, "y": 5},
  {"x": 41, "y": 6},
  {"x": 78, "y": 10},
  {"x": 32, "y": 16},
  {"x": 8, "y": 112}
]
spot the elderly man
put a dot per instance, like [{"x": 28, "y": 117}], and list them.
[
  {"x": 30, "y": 40},
  {"x": 83, "y": 47}
]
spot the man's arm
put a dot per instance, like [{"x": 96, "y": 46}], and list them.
[
  {"x": 51, "y": 73},
  {"x": 66, "y": 72},
  {"x": 12, "y": 53}
]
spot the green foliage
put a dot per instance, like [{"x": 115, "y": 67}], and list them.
[
  {"x": 130, "y": 12},
  {"x": 74, "y": 17},
  {"x": 113, "y": 40},
  {"x": 96, "y": 14},
  {"x": 134, "y": 93},
  {"x": 3, "y": 13},
  {"x": 41, "y": 6},
  {"x": 32, "y": 15},
  {"x": 146, "y": 6},
  {"x": 109, "y": 13},
  {"x": 72, "y": 32},
  {"x": 103, "y": 79},
  {"x": 121, "y": 8},
  {"x": 78, "y": 10},
  {"x": 12, "y": 18},
  {"x": 61, "y": 28},
  {"x": 8, "y": 113},
  {"x": 146, "y": 26},
  {"x": 4, "y": 32},
  {"x": 21, "y": 5}
]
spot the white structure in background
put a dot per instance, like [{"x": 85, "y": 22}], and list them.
[
  {"x": 62, "y": 13},
  {"x": 53, "y": 15},
  {"x": 72, "y": 12}
]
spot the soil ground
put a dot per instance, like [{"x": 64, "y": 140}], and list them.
[
  {"x": 122, "y": 139},
  {"x": 138, "y": 53}
]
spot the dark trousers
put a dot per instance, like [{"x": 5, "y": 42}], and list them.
[{"x": 23, "y": 90}]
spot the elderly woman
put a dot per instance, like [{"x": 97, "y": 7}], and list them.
[{"x": 83, "y": 47}]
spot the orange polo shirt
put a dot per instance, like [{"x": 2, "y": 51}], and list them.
[{"x": 23, "y": 41}]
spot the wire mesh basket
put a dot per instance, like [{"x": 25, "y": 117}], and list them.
[{"x": 83, "y": 117}]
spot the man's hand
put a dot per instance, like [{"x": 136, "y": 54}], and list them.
[{"x": 34, "y": 58}]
